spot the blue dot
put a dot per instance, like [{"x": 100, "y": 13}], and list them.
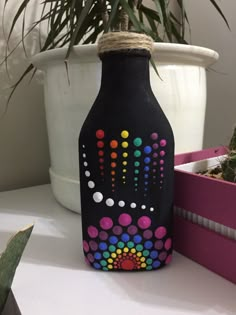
[
  {"x": 145, "y": 189},
  {"x": 154, "y": 254},
  {"x": 156, "y": 264},
  {"x": 147, "y": 149},
  {"x": 97, "y": 255},
  {"x": 148, "y": 244},
  {"x": 97, "y": 265},
  {"x": 113, "y": 240},
  {"x": 145, "y": 183},
  {"x": 147, "y": 160},
  {"x": 103, "y": 246},
  {"x": 146, "y": 168},
  {"x": 146, "y": 176},
  {"x": 125, "y": 237},
  {"x": 137, "y": 239}
]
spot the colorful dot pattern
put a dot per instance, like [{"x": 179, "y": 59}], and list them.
[{"x": 123, "y": 245}]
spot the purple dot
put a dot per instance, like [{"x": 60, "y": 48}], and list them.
[
  {"x": 162, "y": 153},
  {"x": 168, "y": 259},
  {"x": 106, "y": 223},
  {"x": 155, "y": 155},
  {"x": 117, "y": 230},
  {"x": 154, "y": 136},
  {"x": 147, "y": 234},
  {"x": 158, "y": 245},
  {"x": 144, "y": 222},
  {"x": 154, "y": 163},
  {"x": 85, "y": 246},
  {"x": 146, "y": 175},
  {"x": 160, "y": 232},
  {"x": 162, "y": 162},
  {"x": 132, "y": 229},
  {"x": 92, "y": 231},
  {"x": 155, "y": 146},
  {"x": 103, "y": 235},
  {"x": 93, "y": 245},
  {"x": 162, "y": 169},
  {"x": 163, "y": 143},
  {"x": 90, "y": 258},
  {"x": 162, "y": 256},
  {"x": 125, "y": 219},
  {"x": 168, "y": 244},
  {"x": 86, "y": 261},
  {"x": 154, "y": 170}
]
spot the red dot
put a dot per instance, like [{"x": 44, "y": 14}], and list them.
[
  {"x": 101, "y": 167},
  {"x": 100, "y": 144},
  {"x": 100, "y": 153},
  {"x": 100, "y": 134},
  {"x": 102, "y": 173},
  {"x": 101, "y": 160},
  {"x": 127, "y": 265}
]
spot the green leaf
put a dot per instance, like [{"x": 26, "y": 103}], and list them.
[
  {"x": 9, "y": 261},
  {"x": 220, "y": 12}
]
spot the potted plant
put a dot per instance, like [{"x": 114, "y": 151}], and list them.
[
  {"x": 72, "y": 73},
  {"x": 9, "y": 261},
  {"x": 205, "y": 217}
]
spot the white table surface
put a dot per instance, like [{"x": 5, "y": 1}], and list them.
[{"x": 53, "y": 279}]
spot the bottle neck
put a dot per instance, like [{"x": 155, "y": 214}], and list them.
[{"x": 125, "y": 71}]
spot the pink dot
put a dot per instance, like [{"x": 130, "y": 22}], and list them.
[
  {"x": 154, "y": 163},
  {"x": 155, "y": 155},
  {"x": 144, "y": 222},
  {"x": 85, "y": 246},
  {"x": 154, "y": 136},
  {"x": 162, "y": 175},
  {"x": 93, "y": 245},
  {"x": 100, "y": 134},
  {"x": 162, "y": 162},
  {"x": 106, "y": 223},
  {"x": 161, "y": 168},
  {"x": 155, "y": 146},
  {"x": 161, "y": 182},
  {"x": 154, "y": 170},
  {"x": 162, "y": 153},
  {"x": 125, "y": 219},
  {"x": 101, "y": 160},
  {"x": 168, "y": 244},
  {"x": 163, "y": 143},
  {"x": 160, "y": 232},
  {"x": 168, "y": 259},
  {"x": 92, "y": 231},
  {"x": 90, "y": 258}
]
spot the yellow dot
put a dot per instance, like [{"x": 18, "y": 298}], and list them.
[
  {"x": 124, "y": 163},
  {"x": 110, "y": 267},
  {"x": 139, "y": 254},
  {"x": 124, "y": 144},
  {"x": 110, "y": 260},
  {"x": 125, "y": 154},
  {"x": 133, "y": 250},
  {"x": 143, "y": 265},
  {"x": 119, "y": 251},
  {"x": 142, "y": 259},
  {"x": 123, "y": 177},
  {"x": 124, "y": 134},
  {"x": 126, "y": 249},
  {"x": 124, "y": 170},
  {"x": 113, "y": 255}
]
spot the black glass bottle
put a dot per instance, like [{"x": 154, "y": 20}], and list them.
[{"x": 126, "y": 151}]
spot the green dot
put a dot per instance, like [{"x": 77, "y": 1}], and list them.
[
  {"x": 148, "y": 261},
  {"x": 137, "y": 163},
  {"x": 139, "y": 247},
  {"x": 121, "y": 245},
  {"x": 137, "y": 153},
  {"x": 136, "y": 171},
  {"x": 112, "y": 248},
  {"x": 103, "y": 263},
  {"x": 105, "y": 269},
  {"x": 136, "y": 184},
  {"x": 137, "y": 142},
  {"x": 130, "y": 244},
  {"x": 149, "y": 268},
  {"x": 145, "y": 253},
  {"x": 135, "y": 179},
  {"x": 106, "y": 254}
]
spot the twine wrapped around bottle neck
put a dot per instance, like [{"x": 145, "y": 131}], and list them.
[{"x": 117, "y": 41}]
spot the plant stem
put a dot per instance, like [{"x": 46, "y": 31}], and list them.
[
  {"x": 124, "y": 20},
  {"x": 104, "y": 13}
]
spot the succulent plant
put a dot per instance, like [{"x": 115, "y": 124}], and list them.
[{"x": 229, "y": 164}]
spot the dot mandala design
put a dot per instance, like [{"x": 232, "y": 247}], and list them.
[{"x": 126, "y": 246}]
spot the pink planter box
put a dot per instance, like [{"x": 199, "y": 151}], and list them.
[{"x": 205, "y": 209}]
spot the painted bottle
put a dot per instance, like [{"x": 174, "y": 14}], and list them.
[{"x": 126, "y": 151}]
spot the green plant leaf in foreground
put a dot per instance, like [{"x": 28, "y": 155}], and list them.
[{"x": 9, "y": 261}]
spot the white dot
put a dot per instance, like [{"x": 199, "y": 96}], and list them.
[
  {"x": 133, "y": 205},
  {"x": 85, "y": 164},
  {"x": 110, "y": 202},
  {"x": 151, "y": 209},
  {"x": 84, "y": 155},
  {"x": 121, "y": 203},
  {"x": 83, "y": 146},
  {"x": 143, "y": 207},
  {"x": 91, "y": 184},
  {"x": 97, "y": 197},
  {"x": 87, "y": 173}
]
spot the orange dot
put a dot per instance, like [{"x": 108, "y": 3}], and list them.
[
  {"x": 119, "y": 256},
  {"x": 114, "y": 144},
  {"x": 100, "y": 144},
  {"x": 113, "y": 173},
  {"x": 113, "y": 164},
  {"x": 114, "y": 155},
  {"x": 113, "y": 179},
  {"x": 100, "y": 153}
]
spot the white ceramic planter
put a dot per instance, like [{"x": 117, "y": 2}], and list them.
[{"x": 181, "y": 91}]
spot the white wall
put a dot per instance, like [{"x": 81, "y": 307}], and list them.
[{"x": 209, "y": 30}]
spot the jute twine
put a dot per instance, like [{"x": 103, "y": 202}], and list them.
[{"x": 114, "y": 41}]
